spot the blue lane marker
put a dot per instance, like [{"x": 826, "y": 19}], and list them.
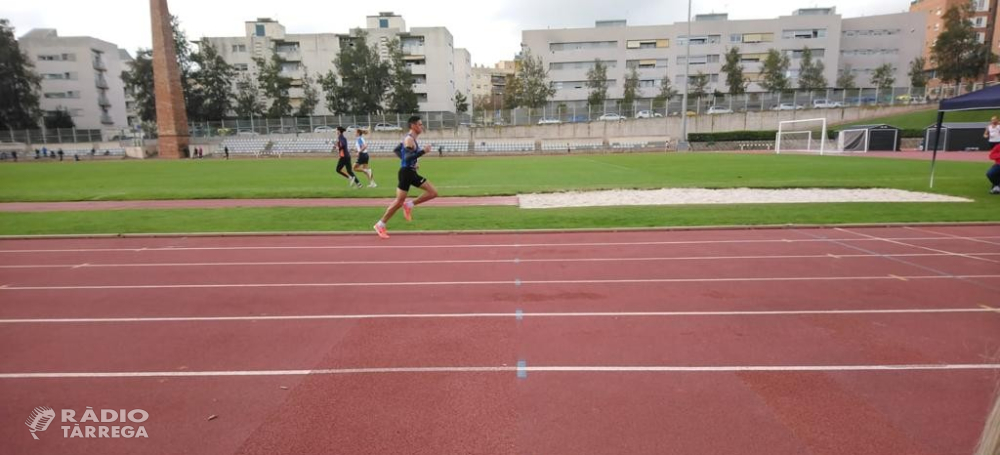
[
  {"x": 519, "y": 314},
  {"x": 517, "y": 282},
  {"x": 522, "y": 369}
]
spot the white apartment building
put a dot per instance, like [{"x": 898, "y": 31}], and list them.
[
  {"x": 660, "y": 50},
  {"x": 438, "y": 67},
  {"x": 80, "y": 74}
]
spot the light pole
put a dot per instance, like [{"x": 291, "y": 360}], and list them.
[{"x": 683, "y": 143}]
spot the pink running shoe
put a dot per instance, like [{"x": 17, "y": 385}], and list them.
[
  {"x": 380, "y": 230},
  {"x": 408, "y": 211}
]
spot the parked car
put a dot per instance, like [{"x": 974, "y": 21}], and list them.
[
  {"x": 549, "y": 121},
  {"x": 611, "y": 117},
  {"x": 247, "y": 133},
  {"x": 648, "y": 114},
  {"x": 387, "y": 127},
  {"x": 788, "y": 107},
  {"x": 826, "y": 104},
  {"x": 324, "y": 129},
  {"x": 716, "y": 110}
]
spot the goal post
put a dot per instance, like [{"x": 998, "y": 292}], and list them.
[{"x": 800, "y": 132}]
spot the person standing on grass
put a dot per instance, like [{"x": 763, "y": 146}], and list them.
[
  {"x": 361, "y": 146},
  {"x": 992, "y": 134},
  {"x": 409, "y": 152},
  {"x": 345, "y": 159},
  {"x": 226, "y": 148}
]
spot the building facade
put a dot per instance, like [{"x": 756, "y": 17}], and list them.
[
  {"x": 661, "y": 50},
  {"x": 80, "y": 74},
  {"x": 439, "y": 68},
  {"x": 984, "y": 21}
]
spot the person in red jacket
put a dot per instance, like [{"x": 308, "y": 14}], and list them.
[{"x": 994, "y": 173}]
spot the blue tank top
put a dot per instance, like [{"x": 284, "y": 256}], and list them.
[{"x": 409, "y": 160}]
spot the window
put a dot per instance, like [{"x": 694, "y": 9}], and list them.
[
  {"x": 752, "y": 58},
  {"x": 648, "y": 83},
  {"x": 756, "y": 37},
  {"x": 579, "y": 46},
  {"x": 981, "y": 5},
  {"x": 797, "y": 53},
  {"x": 699, "y": 59},
  {"x": 804, "y": 34},
  {"x": 699, "y": 40},
  {"x": 289, "y": 67},
  {"x": 648, "y": 44},
  {"x": 61, "y": 95},
  {"x": 241, "y": 67},
  {"x": 239, "y": 48},
  {"x": 287, "y": 47},
  {"x": 646, "y": 64},
  {"x": 980, "y": 37},
  {"x": 576, "y": 85},
  {"x": 978, "y": 22},
  {"x": 383, "y": 23},
  {"x": 585, "y": 65},
  {"x": 260, "y": 30}
]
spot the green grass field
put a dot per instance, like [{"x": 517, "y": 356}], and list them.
[
  {"x": 307, "y": 178},
  {"x": 922, "y": 119}
]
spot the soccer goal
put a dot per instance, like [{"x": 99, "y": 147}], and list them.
[
  {"x": 862, "y": 140},
  {"x": 807, "y": 135}
]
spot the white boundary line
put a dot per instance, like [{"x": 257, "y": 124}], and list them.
[
  {"x": 508, "y": 369},
  {"x": 897, "y": 242},
  {"x": 516, "y": 315},
  {"x": 422, "y": 247},
  {"x": 957, "y": 237},
  {"x": 478, "y": 261},
  {"x": 8, "y": 287}
]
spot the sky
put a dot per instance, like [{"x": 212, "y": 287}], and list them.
[{"x": 490, "y": 30}]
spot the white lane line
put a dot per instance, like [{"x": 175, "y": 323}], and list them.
[
  {"x": 477, "y": 261},
  {"x": 508, "y": 369},
  {"x": 493, "y": 283},
  {"x": 897, "y": 242},
  {"x": 424, "y": 247},
  {"x": 954, "y": 236},
  {"x": 516, "y": 315}
]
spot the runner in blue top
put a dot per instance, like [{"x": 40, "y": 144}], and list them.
[
  {"x": 409, "y": 152},
  {"x": 362, "y": 165}
]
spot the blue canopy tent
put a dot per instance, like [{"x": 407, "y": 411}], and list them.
[{"x": 987, "y": 98}]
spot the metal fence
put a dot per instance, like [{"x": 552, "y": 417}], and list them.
[{"x": 552, "y": 113}]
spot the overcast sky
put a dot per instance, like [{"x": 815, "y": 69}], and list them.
[{"x": 490, "y": 30}]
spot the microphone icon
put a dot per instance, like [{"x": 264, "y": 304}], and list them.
[{"x": 40, "y": 419}]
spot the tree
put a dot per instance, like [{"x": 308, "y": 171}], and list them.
[
  {"x": 531, "y": 83},
  {"x": 883, "y": 77},
  {"x": 59, "y": 118},
  {"x": 402, "y": 98},
  {"x": 957, "y": 53},
  {"x": 845, "y": 79},
  {"x": 363, "y": 78},
  {"x": 274, "y": 86},
  {"x": 138, "y": 79},
  {"x": 698, "y": 85},
  {"x": 310, "y": 96},
  {"x": 19, "y": 84},
  {"x": 512, "y": 92},
  {"x": 214, "y": 79},
  {"x": 810, "y": 73},
  {"x": 461, "y": 103},
  {"x": 775, "y": 67},
  {"x": 248, "y": 99},
  {"x": 666, "y": 93},
  {"x": 734, "y": 72},
  {"x": 631, "y": 90},
  {"x": 918, "y": 78},
  {"x": 597, "y": 82}
]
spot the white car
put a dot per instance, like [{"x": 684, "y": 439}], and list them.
[
  {"x": 648, "y": 114},
  {"x": 610, "y": 117},
  {"x": 324, "y": 129},
  {"x": 826, "y": 104},
  {"x": 787, "y": 107},
  {"x": 715, "y": 110},
  {"x": 387, "y": 127},
  {"x": 550, "y": 121}
]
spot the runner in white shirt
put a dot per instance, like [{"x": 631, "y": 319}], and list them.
[{"x": 362, "y": 165}]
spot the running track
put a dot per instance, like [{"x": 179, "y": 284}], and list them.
[{"x": 794, "y": 341}]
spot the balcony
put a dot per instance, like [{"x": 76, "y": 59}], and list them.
[
  {"x": 99, "y": 65},
  {"x": 290, "y": 55},
  {"x": 102, "y": 83},
  {"x": 107, "y": 120},
  {"x": 417, "y": 69},
  {"x": 103, "y": 101}
]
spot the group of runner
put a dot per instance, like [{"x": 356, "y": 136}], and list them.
[{"x": 408, "y": 152}]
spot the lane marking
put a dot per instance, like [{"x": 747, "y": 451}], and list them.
[
  {"x": 491, "y": 283},
  {"x": 518, "y": 315},
  {"x": 508, "y": 369}
]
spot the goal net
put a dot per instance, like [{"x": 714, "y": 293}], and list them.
[
  {"x": 807, "y": 136},
  {"x": 853, "y": 140}
]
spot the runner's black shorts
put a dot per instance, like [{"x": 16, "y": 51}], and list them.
[
  {"x": 344, "y": 162},
  {"x": 362, "y": 158},
  {"x": 408, "y": 177}
]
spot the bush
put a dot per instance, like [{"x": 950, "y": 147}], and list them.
[{"x": 729, "y": 136}]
